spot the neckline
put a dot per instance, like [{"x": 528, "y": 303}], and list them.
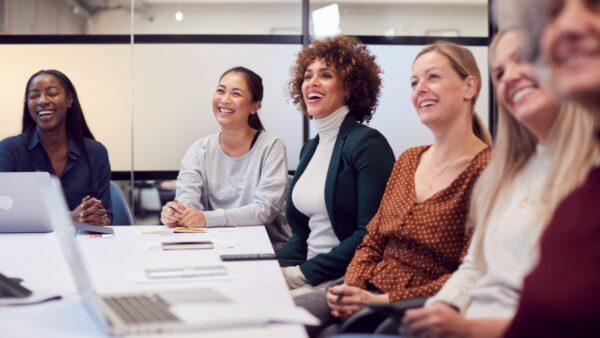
[
  {"x": 223, "y": 153},
  {"x": 454, "y": 181}
]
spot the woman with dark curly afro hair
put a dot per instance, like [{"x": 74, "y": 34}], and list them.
[{"x": 342, "y": 172}]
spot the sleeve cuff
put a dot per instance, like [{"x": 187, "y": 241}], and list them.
[
  {"x": 214, "y": 218},
  {"x": 460, "y": 301},
  {"x": 295, "y": 277}
]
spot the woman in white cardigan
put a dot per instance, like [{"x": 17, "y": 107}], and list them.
[{"x": 543, "y": 151}]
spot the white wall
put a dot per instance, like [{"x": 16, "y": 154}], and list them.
[
  {"x": 101, "y": 76},
  {"x": 396, "y": 117},
  {"x": 174, "y": 87}
]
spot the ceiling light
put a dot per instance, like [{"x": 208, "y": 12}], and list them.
[{"x": 179, "y": 15}]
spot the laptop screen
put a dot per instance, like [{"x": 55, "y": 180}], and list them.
[{"x": 21, "y": 205}]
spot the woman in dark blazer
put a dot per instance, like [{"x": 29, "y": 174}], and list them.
[{"x": 343, "y": 171}]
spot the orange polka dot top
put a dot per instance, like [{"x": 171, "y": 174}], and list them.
[{"x": 411, "y": 248}]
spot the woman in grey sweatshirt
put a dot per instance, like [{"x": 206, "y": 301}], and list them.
[{"x": 237, "y": 177}]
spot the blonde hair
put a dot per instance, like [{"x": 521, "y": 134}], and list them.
[
  {"x": 464, "y": 64},
  {"x": 572, "y": 148}
]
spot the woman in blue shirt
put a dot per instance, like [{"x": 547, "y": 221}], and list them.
[{"x": 55, "y": 138}]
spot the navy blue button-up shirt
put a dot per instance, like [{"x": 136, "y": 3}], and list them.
[{"x": 21, "y": 153}]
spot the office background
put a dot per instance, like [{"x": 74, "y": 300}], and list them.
[{"x": 145, "y": 78}]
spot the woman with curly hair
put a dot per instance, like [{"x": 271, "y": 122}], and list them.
[{"x": 342, "y": 172}]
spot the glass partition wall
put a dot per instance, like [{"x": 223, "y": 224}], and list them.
[{"x": 145, "y": 70}]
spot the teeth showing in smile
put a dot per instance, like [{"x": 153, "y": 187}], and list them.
[
  {"x": 521, "y": 93},
  {"x": 225, "y": 111},
  {"x": 426, "y": 103},
  {"x": 45, "y": 112},
  {"x": 314, "y": 96}
]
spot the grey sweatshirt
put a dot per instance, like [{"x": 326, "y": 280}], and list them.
[{"x": 237, "y": 191}]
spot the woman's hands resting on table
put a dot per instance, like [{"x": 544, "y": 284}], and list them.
[
  {"x": 176, "y": 214},
  {"x": 90, "y": 211}
]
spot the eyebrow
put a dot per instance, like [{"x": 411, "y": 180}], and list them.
[
  {"x": 320, "y": 69},
  {"x": 225, "y": 87},
  {"x": 49, "y": 87},
  {"x": 426, "y": 71}
]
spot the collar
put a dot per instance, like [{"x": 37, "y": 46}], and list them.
[{"x": 73, "y": 150}]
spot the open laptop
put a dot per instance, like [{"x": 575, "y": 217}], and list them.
[
  {"x": 138, "y": 313},
  {"x": 22, "y": 208}
]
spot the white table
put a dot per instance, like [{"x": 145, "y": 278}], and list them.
[{"x": 117, "y": 264}]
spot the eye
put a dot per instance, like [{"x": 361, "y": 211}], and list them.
[
  {"x": 220, "y": 91},
  {"x": 413, "y": 84},
  {"x": 33, "y": 96},
  {"x": 236, "y": 94},
  {"x": 498, "y": 75},
  {"x": 554, "y": 7},
  {"x": 327, "y": 75},
  {"x": 307, "y": 76},
  {"x": 433, "y": 76}
]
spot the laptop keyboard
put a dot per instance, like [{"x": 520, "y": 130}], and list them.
[{"x": 141, "y": 309}]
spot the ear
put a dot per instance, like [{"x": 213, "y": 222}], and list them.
[
  {"x": 470, "y": 88},
  {"x": 70, "y": 101},
  {"x": 255, "y": 107}
]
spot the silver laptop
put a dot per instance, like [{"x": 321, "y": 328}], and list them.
[
  {"x": 22, "y": 208},
  {"x": 137, "y": 313}
]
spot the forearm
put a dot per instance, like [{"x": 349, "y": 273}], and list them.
[
  {"x": 251, "y": 214},
  {"x": 487, "y": 328}
]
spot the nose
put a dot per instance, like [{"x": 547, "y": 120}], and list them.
[
  {"x": 226, "y": 98},
  {"x": 420, "y": 87},
  {"x": 511, "y": 73},
  {"x": 312, "y": 81},
  {"x": 42, "y": 99}
]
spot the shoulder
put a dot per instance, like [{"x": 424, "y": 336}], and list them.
[
  {"x": 481, "y": 160},
  {"x": 94, "y": 147},
  {"x": 12, "y": 142},
  {"x": 207, "y": 142},
  {"x": 270, "y": 139},
  {"x": 270, "y": 143},
  {"x": 362, "y": 137},
  {"x": 413, "y": 152}
]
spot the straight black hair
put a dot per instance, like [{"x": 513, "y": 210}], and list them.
[{"x": 254, "y": 82}]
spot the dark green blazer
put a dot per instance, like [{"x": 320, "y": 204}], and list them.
[{"x": 360, "y": 165}]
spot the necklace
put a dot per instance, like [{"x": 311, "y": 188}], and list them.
[{"x": 435, "y": 175}]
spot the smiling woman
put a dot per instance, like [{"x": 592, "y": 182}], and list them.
[
  {"x": 56, "y": 138},
  {"x": 236, "y": 177}
]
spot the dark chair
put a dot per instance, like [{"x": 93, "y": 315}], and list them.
[
  {"x": 380, "y": 318},
  {"x": 121, "y": 213}
]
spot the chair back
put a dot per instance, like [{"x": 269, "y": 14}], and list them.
[{"x": 121, "y": 213}]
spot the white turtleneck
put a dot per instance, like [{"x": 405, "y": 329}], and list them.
[{"x": 309, "y": 192}]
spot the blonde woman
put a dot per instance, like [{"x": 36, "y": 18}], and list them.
[
  {"x": 560, "y": 297},
  {"x": 543, "y": 151}
]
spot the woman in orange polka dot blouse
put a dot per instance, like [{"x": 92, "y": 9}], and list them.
[{"x": 419, "y": 235}]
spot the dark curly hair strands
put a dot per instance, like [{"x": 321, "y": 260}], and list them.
[{"x": 353, "y": 63}]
